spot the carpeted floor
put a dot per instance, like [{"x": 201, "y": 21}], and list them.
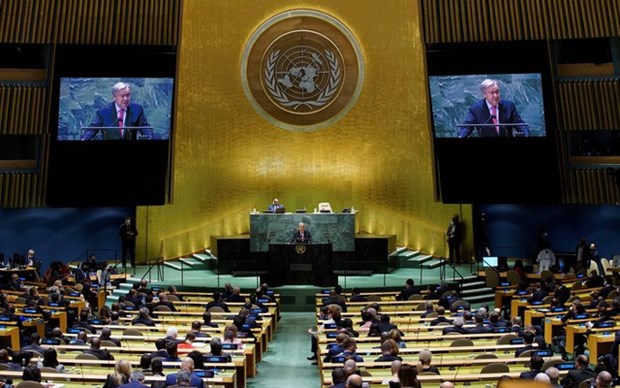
[{"x": 285, "y": 364}]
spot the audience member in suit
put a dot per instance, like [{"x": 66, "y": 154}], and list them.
[
  {"x": 95, "y": 349},
  {"x": 143, "y": 318},
  {"x": 389, "y": 351},
  {"x": 581, "y": 372},
  {"x": 106, "y": 334},
  {"x": 334, "y": 299},
  {"x": 386, "y": 325},
  {"x": 35, "y": 344},
  {"x": 536, "y": 363},
  {"x": 121, "y": 375},
  {"x": 235, "y": 297},
  {"x": 441, "y": 317},
  {"x": 576, "y": 308},
  {"x": 16, "y": 284},
  {"x": 561, "y": 293},
  {"x": 217, "y": 349},
  {"x": 58, "y": 334},
  {"x": 136, "y": 380},
  {"x": 337, "y": 348},
  {"x": 172, "y": 290},
  {"x": 356, "y": 296},
  {"x": 133, "y": 297},
  {"x": 197, "y": 330},
  {"x": 4, "y": 301},
  {"x": 349, "y": 351},
  {"x": 492, "y": 109},
  {"x": 227, "y": 290},
  {"x": 480, "y": 327},
  {"x": 595, "y": 280},
  {"x": 425, "y": 357},
  {"x": 217, "y": 302},
  {"x": 540, "y": 293},
  {"x": 172, "y": 335},
  {"x": 80, "y": 339},
  {"x": 206, "y": 320},
  {"x": 83, "y": 322},
  {"x": 554, "y": 377},
  {"x": 339, "y": 378},
  {"x": 528, "y": 339},
  {"x": 163, "y": 301},
  {"x": 582, "y": 254},
  {"x": 408, "y": 291},
  {"x": 172, "y": 349},
  {"x": 456, "y": 328},
  {"x": 160, "y": 345}
]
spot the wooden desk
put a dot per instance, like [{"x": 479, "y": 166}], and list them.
[
  {"x": 226, "y": 378},
  {"x": 10, "y": 337},
  {"x": 600, "y": 344}
]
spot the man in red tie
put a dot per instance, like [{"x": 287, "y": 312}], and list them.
[
  {"x": 301, "y": 235},
  {"x": 118, "y": 119},
  {"x": 488, "y": 114}
]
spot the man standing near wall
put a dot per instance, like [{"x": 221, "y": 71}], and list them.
[{"x": 128, "y": 232}]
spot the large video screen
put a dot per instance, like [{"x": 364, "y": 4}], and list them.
[
  {"x": 89, "y": 108},
  {"x": 113, "y": 124},
  {"x": 493, "y": 122},
  {"x": 487, "y": 105}
]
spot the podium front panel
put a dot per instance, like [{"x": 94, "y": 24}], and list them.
[{"x": 273, "y": 228}]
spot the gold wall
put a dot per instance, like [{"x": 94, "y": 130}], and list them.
[{"x": 229, "y": 160}]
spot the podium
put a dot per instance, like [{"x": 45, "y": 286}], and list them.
[{"x": 300, "y": 264}]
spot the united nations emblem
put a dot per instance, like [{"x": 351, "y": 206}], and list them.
[
  {"x": 302, "y": 70},
  {"x": 300, "y": 249}
]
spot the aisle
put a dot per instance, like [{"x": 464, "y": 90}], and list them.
[{"x": 285, "y": 364}]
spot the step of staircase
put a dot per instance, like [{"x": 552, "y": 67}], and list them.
[
  {"x": 408, "y": 254},
  {"x": 398, "y": 251},
  {"x": 473, "y": 284},
  {"x": 420, "y": 259},
  {"x": 433, "y": 263},
  {"x": 476, "y": 291},
  {"x": 191, "y": 262},
  {"x": 173, "y": 265},
  {"x": 203, "y": 257}
]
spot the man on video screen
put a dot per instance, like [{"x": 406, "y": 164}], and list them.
[
  {"x": 492, "y": 114},
  {"x": 117, "y": 118}
]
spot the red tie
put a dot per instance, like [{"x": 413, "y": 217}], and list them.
[
  {"x": 120, "y": 121},
  {"x": 495, "y": 121}
]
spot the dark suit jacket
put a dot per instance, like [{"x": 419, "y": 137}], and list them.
[
  {"x": 134, "y": 384},
  {"x": 297, "y": 236},
  {"x": 101, "y": 354},
  {"x": 171, "y": 379},
  {"x": 336, "y": 350},
  {"x": 574, "y": 377},
  {"x": 440, "y": 319},
  {"x": 148, "y": 322},
  {"x": 530, "y": 374},
  {"x": 480, "y": 328},
  {"x": 107, "y": 117},
  {"x": 507, "y": 113}
]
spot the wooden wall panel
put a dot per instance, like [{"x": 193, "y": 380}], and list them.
[
  {"x": 503, "y": 20},
  {"x": 144, "y": 22}
]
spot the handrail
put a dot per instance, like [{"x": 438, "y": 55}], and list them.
[
  {"x": 155, "y": 262},
  {"x": 455, "y": 271}
]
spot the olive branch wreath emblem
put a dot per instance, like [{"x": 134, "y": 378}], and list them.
[{"x": 282, "y": 98}]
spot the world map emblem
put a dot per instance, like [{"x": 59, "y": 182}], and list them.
[{"x": 302, "y": 70}]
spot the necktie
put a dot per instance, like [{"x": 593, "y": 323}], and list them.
[
  {"x": 302, "y": 236},
  {"x": 495, "y": 121},
  {"x": 121, "y": 113}
]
